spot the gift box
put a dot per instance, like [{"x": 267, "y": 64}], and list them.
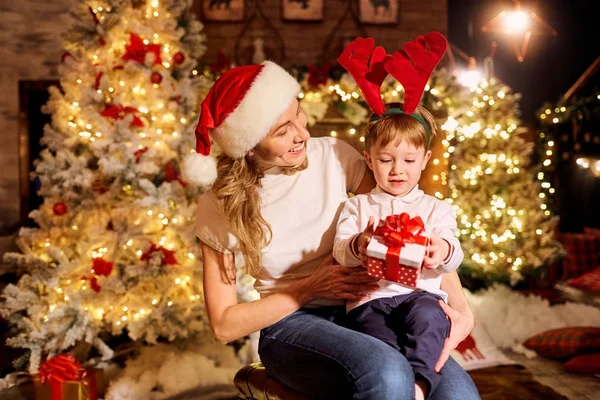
[
  {"x": 63, "y": 378},
  {"x": 397, "y": 249}
]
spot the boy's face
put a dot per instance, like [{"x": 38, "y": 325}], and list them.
[{"x": 397, "y": 169}]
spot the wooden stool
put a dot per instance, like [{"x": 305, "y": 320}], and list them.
[{"x": 253, "y": 382}]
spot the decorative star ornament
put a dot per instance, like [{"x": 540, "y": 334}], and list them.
[{"x": 520, "y": 25}]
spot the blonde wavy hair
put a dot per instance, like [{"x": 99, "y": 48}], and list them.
[
  {"x": 400, "y": 127},
  {"x": 236, "y": 190}
]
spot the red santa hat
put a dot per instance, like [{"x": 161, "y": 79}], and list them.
[{"x": 237, "y": 113}]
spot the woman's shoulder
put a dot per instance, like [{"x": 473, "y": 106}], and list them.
[
  {"x": 212, "y": 226},
  {"x": 208, "y": 211},
  {"x": 207, "y": 200}
]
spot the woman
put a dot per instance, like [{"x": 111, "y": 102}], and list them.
[{"x": 273, "y": 207}]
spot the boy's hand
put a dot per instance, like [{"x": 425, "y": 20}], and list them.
[
  {"x": 437, "y": 252},
  {"x": 363, "y": 241}
]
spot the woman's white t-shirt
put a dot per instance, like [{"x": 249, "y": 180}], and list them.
[{"x": 302, "y": 210}]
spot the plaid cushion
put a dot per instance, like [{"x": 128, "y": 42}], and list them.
[
  {"x": 592, "y": 231},
  {"x": 582, "y": 254},
  {"x": 589, "y": 281},
  {"x": 565, "y": 342}
]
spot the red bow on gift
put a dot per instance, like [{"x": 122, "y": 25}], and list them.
[
  {"x": 398, "y": 230},
  {"x": 62, "y": 368}
]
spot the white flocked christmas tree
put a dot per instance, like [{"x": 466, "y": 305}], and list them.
[{"x": 114, "y": 253}]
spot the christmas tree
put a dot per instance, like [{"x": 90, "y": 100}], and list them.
[
  {"x": 114, "y": 253},
  {"x": 505, "y": 227}
]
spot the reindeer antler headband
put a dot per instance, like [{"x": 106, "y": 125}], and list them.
[{"x": 411, "y": 66}]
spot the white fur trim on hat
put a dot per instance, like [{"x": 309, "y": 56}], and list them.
[
  {"x": 200, "y": 170},
  {"x": 269, "y": 96}
]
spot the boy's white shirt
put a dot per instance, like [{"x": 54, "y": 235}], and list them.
[{"x": 438, "y": 216}]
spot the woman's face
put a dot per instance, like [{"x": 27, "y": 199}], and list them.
[{"x": 285, "y": 144}]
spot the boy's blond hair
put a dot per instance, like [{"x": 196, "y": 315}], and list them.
[{"x": 399, "y": 128}]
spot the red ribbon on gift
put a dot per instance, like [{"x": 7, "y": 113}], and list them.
[
  {"x": 62, "y": 368},
  {"x": 397, "y": 231}
]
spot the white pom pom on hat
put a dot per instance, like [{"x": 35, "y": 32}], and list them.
[
  {"x": 237, "y": 113},
  {"x": 200, "y": 170}
]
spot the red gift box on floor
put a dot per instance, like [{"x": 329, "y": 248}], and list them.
[
  {"x": 63, "y": 378},
  {"x": 397, "y": 249}
]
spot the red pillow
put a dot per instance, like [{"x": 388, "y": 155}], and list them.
[
  {"x": 582, "y": 254},
  {"x": 592, "y": 231},
  {"x": 565, "y": 343},
  {"x": 590, "y": 281},
  {"x": 586, "y": 364}
]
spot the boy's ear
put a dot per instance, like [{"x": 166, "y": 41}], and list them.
[
  {"x": 368, "y": 159},
  {"x": 426, "y": 159}
]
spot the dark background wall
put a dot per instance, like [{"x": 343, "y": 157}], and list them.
[{"x": 552, "y": 64}]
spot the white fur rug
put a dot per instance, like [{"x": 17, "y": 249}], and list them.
[{"x": 511, "y": 317}]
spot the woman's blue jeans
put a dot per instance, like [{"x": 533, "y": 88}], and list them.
[{"x": 311, "y": 352}]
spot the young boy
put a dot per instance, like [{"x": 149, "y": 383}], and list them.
[{"x": 407, "y": 318}]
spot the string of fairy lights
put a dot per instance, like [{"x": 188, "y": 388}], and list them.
[{"x": 550, "y": 118}]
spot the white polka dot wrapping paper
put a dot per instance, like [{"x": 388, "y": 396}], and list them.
[{"x": 405, "y": 271}]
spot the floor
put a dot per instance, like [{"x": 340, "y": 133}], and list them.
[{"x": 551, "y": 373}]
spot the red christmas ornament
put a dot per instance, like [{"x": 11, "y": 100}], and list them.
[
  {"x": 102, "y": 267},
  {"x": 65, "y": 56},
  {"x": 156, "y": 78},
  {"x": 178, "y": 57},
  {"x": 60, "y": 209}
]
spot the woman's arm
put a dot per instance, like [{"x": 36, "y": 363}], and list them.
[
  {"x": 230, "y": 320},
  {"x": 460, "y": 314}
]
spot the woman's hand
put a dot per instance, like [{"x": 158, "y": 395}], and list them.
[
  {"x": 337, "y": 282},
  {"x": 461, "y": 326}
]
